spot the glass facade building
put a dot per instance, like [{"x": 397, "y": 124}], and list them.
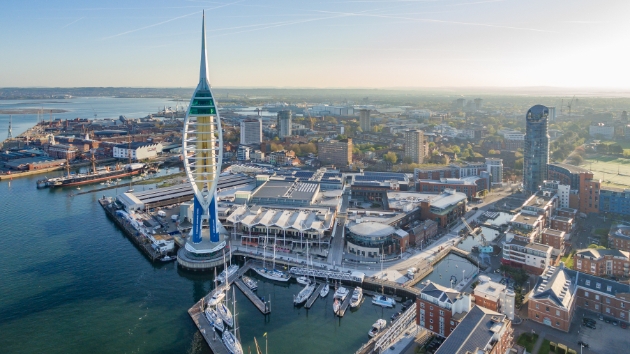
[{"x": 536, "y": 148}]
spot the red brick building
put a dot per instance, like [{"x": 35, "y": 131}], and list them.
[
  {"x": 440, "y": 309},
  {"x": 602, "y": 262},
  {"x": 619, "y": 237},
  {"x": 555, "y": 239},
  {"x": 445, "y": 209},
  {"x": 552, "y": 299},
  {"x": 562, "y": 223}
]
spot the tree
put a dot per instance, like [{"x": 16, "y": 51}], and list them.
[
  {"x": 390, "y": 157},
  {"x": 456, "y": 149}
]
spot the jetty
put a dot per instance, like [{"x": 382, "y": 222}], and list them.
[
  {"x": 314, "y": 295},
  {"x": 344, "y": 305},
  {"x": 207, "y": 330},
  {"x": 260, "y": 305}
]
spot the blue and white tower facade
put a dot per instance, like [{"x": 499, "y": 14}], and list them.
[
  {"x": 202, "y": 146},
  {"x": 536, "y": 148}
]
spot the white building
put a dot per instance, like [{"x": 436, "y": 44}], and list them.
[
  {"x": 137, "y": 150},
  {"x": 251, "y": 131},
  {"x": 495, "y": 167},
  {"x": 596, "y": 129},
  {"x": 533, "y": 257},
  {"x": 561, "y": 190},
  {"x": 243, "y": 153}
]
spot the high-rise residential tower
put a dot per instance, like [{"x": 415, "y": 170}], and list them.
[
  {"x": 251, "y": 131},
  {"x": 414, "y": 145},
  {"x": 536, "y": 148},
  {"x": 364, "y": 120},
  {"x": 284, "y": 124}
]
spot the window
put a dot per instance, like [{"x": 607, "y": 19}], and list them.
[
  {"x": 623, "y": 314},
  {"x": 586, "y": 303},
  {"x": 431, "y": 321},
  {"x": 547, "y": 308},
  {"x": 607, "y": 309},
  {"x": 431, "y": 314},
  {"x": 430, "y": 307},
  {"x": 557, "y": 312},
  {"x": 609, "y": 288},
  {"x": 598, "y": 285},
  {"x": 452, "y": 323},
  {"x": 596, "y": 297},
  {"x": 441, "y": 313},
  {"x": 431, "y": 327},
  {"x": 608, "y": 300},
  {"x": 586, "y": 293},
  {"x": 422, "y": 304},
  {"x": 557, "y": 324},
  {"x": 537, "y": 316},
  {"x": 596, "y": 306},
  {"x": 536, "y": 305},
  {"x": 623, "y": 305},
  {"x": 588, "y": 282}
]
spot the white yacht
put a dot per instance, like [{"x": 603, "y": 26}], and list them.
[
  {"x": 251, "y": 283},
  {"x": 336, "y": 306},
  {"x": 304, "y": 294},
  {"x": 272, "y": 274},
  {"x": 232, "y": 344},
  {"x": 325, "y": 290},
  {"x": 303, "y": 280},
  {"x": 231, "y": 270},
  {"x": 382, "y": 300},
  {"x": 377, "y": 327},
  {"x": 225, "y": 314},
  {"x": 357, "y": 296},
  {"x": 213, "y": 318},
  {"x": 341, "y": 293},
  {"x": 216, "y": 297}
]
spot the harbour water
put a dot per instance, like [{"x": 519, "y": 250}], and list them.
[{"x": 72, "y": 283}]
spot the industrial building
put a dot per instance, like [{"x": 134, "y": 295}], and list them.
[{"x": 137, "y": 151}]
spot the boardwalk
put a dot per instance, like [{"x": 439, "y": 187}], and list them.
[
  {"x": 344, "y": 305},
  {"x": 262, "y": 306},
  {"x": 314, "y": 296},
  {"x": 207, "y": 330}
]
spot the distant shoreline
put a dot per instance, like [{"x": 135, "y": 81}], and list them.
[{"x": 31, "y": 111}]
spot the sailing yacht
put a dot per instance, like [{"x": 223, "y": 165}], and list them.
[
  {"x": 231, "y": 270},
  {"x": 216, "y": 297},
  {"x": 304, "y": 294},
  {"x": 213, "y": 318},
  {"x": 273, "y": 273},
  {"x": 382, "y": 300},
  {"x": 325, "y": 290},
  {"x": 229, "y": 338}
]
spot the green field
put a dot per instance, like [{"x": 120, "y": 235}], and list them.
[{"x": 613, "y": 171}]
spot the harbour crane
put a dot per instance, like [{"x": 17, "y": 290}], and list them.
[{"x": 470, "y": 229}]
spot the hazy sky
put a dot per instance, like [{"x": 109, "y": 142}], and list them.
[{"x": 317, "y": 43}]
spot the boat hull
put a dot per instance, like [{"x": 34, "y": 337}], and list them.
[{"x": 270, "y": 275}]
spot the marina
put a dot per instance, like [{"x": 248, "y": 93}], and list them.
[{"x": 316, "y": 294}]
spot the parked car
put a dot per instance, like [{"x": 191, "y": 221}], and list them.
[
  {"x": 588, "y": 320},
  {"x": 615, "y": 323},
  {"x": 601, "y": 318}
]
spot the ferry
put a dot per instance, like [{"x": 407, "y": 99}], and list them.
[
  {"x": 231, "y": 270},
  {"x": 377, "y": 327},
  {"x": 272, "y": 274},
  {"x": 357, "y": 296},
  {"x": 92, "y": 177},
  {"x": 251, "y": 283},
  {"x": 213, "y": 318}
]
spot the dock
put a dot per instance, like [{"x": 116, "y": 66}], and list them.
[
  {"x": 344, "y": 305},
  {"x": 262, "y": 306},
  {"x": 206, "y": 329},
  {"x": 314, "y": 295}
]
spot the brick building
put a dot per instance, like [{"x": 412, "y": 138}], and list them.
[
  {"x": 440, "y": 309},
  {"x": 602, "y": 262},
  {"x": 562, "y": 223},
  {"x": 337, "y": 152},
  {"x": 552, "y": 300},
  {"x": 554, "y": 238},
  {"x": 583, "y": 185},
  {"x": 494, "y": 296},
  {"x": 481, "y": 331},
  {"x": 468, "y": 185},
  {"x": 421, "y": 234},
  {"x": 619, "y": 237},
  {"x": 445, "y": 209}
]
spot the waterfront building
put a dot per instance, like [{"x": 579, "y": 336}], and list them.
[
  {"x": 251, "y": 132},
  {"x": 602, "y": 262},
  {"x": 481, "y": 331},
  {"x": 559, "y": 290},
  {"x": 364, "y": 120},
  {"x": 283, "y": 192},
  {"x": 336, "y": 152},
  {"x": 525, "y": 227},
  {"x": 373, "y": 239},
  {"x": 440, "y": 309},
  {"x": 544, "y": 203},
  {"x": 532, "y": 257},
  {"x": 536, "y": 148},
  {"x": 446, "y": 208},
  {"x": 137, "y": 151},
  {"x": 563, "y": 223},
  {"x": 495, "y": 167},
  {"x": 494, "y": 296},
  {"x": 62, "y": 151},
  {"x": 414, "y": 145},
  {"x": 284, "y": 124}
]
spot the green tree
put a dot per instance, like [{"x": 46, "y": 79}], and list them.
[{"x": 390, "y": 157}]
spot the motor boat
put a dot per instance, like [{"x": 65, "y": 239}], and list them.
[
  {"x": 382, "y": 300},
  {"x": 377, "y": 327},
  {"x": 336, "y": 306},
  {"x": 341, "y": 293},
  {"x": 357, "y": 296},
  {"x": 395, "y": 316},
  {"x": 303, "y": 280},
  {"x": 167, "y": 259},
  {"x": 250, "y": 283},
  {"x": 325, "y": 290},
  {"x": 214, "y": 319}
]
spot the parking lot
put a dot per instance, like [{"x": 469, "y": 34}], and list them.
[{"x": 605, "y": 338}]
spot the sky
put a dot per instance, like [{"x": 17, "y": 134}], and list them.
[{"x": 317, "y": 43}]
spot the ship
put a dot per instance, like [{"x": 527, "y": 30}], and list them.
[{"x": 95, "y": 176}]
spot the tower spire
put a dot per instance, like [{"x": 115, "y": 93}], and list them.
[
  {"x": 203, "y": 69},
  {"x": 10, "y": 133}
]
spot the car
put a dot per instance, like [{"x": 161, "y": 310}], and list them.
[
  {"x": 615, "y": 323},
  {"x": 590, "y": 325},
  {"x": 607, "y": 320},
  {"x": 588, "y": 320},
  {"x": 601, "y": 318},
  {"x": 585, "y": 345}
]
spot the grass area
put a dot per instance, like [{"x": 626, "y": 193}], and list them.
[
  {"x": 624, "y": 144},
  {"x": 527, "y": 341},
  {"x": 568, "y": 260},
  {"x": 545, "y": 348},
  {"x": 612, "y": 170}
]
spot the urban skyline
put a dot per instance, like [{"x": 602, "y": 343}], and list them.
[{"x": 450, "y": 43}]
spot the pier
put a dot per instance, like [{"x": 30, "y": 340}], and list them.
[
  {"x": 262, "y": 306},
  {"x": 207, "y": 330},
  {"x": 344, "y": 305},
  {"x": 314, "y": 295}
]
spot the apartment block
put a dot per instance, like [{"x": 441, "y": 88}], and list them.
[
  {"x": 440, "y": 309},
  {"x": 602, "y": 262}
]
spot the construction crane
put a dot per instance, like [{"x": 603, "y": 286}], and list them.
[
  {"x": 569, "y": 105},
  {"x": 470, "y": 229}
]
